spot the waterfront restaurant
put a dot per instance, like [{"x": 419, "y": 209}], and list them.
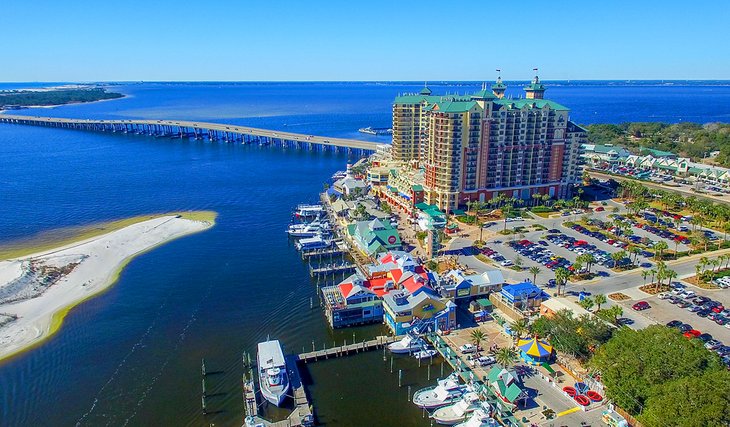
[
  {"x": 352, "y": 302},
  {"x": 404, "y": 310},
  {"x": 374, "y": 237}
]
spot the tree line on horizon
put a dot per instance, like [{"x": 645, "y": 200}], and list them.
[
  {"x": 686, "y": 139},
  {"x": 25, "y": 98}
]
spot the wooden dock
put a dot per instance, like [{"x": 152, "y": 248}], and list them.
[
  {"x": 346, "y": 349},
  {"x": 334, "y": 251},
  {"x": 332, "y": 269}
]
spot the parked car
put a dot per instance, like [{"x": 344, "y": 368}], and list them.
[
  {"x": 468, "y": 348},
  {"x": 675, "y": 324},
  {"x": 641, "y": 305}
]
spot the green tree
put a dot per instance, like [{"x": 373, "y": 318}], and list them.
[
  {"x": 633, "y": 363},
  {"x": 600, "y": 299},
  {"x": 520, "y": 328},
  {"x": 660, "y": 247},
  {"x": 561, "y": 278},
  {"x": 506, "y": 356},
  {"x": 695, "y": 401},
  {"x": 587, "y": 303},
  {"x": 477, "y": 336},
  {"x": 534, "y": 270}
]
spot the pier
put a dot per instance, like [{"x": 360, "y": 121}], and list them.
[
  {"x": 332, "y": 269},
  {"x": 178, "y": 129},
  {"x": 338, "y": 249},
  {"x": 346, "y": 349}
]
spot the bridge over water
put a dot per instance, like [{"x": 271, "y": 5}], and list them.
[{"x": 200, "y": 131}]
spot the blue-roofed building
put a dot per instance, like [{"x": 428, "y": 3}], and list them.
[{"x": 522, "y": 296}]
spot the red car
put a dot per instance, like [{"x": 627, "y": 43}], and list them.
[
  {"x": 694, "y": 333},
  {"x": 599, "y": 209},
  {"x": 718, "y": 309},
  {"x": 641, "y": 305}
]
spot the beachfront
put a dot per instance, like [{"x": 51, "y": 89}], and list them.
[{"x": 37, "y": 290}]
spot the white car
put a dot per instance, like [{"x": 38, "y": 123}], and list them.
[
  {"x": 482, "y": 361},
  {"x": 468, "y": 348},
  {"x": 505, "y": 263}
]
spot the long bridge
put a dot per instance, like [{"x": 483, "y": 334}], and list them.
[{"x": 200, "y": 131}]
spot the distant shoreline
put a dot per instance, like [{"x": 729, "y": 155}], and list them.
[
  {"x": 41, "y": 282},
  {"x": 20, "y": 99}
]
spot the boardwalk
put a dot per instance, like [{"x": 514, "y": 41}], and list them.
[
  {"x": 346, "y": 349},
  {"x": 198, "y": 130}
]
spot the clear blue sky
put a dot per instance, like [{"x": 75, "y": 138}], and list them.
[{"x": 81, "y": 40}]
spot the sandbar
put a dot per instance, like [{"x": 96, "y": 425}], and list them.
[{"x": 37, "y": 290}]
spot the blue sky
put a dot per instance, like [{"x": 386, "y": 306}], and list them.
[{"x": 74, "y": 40}]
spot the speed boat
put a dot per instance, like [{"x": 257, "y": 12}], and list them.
[
  {"x": 409, "y": 344},
  {"x": 425, "y": 354},
  {"x": 479, "y": 418},
  {"x": 447, "y": 390},
  {"x": 459, "y": 411}
]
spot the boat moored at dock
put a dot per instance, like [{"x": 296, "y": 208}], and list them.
[
  {"x": 447, "y": 390},
  {"x": 459, "y": 411},
  {"x": 479, "y": 418},
  {"x": 308, "y": 229},
  {"x": 316, "y": 242},
  {"x": 273, "y": 376},
  {"x": 425, "y": 353},
  {"x": 409, "y": 344},
  {"x": 304, "y": 212}
]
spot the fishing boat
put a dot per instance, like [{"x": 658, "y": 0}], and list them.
[
  {"x": 425, "y": 354},
  {"x": 459, "y": 411},
  {"x": 479, "y": 418},
  {"x": 315, "y": 242},
  {"x": 308, "y": 230},
  {"x": 304, "y": 212},
  {"x": 273, "y": 377},
  {"x": 447, "y": 390},
  {"x": 408, "y": 344}
]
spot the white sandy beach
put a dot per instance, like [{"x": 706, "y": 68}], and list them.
[{"x": 93, "y": 263}]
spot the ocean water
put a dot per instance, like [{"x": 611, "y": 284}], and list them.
[{"x": 131, "y": 356}]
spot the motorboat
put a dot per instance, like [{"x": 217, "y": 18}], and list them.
[
  {"x": 304, "y": 212},
  {"x": 308, "y": 230},
  {"x": 447, "y": 391},
  {"x": 409, "y": 344},
  {"x": 459, "y": 411},
  {"x": 273, "y": 377},
  {"x": 425, "y": 354},
  {"x": 316, "y": 242},
  {"x": 479, "y": 418}
]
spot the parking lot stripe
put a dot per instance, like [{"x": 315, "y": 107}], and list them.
[{"x": 569, "y": 411}]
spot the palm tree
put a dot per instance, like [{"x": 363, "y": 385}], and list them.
[
  {"x": 534, "y": 270},
  {"x": 577, "y": 266},
  {"x": 635, "y": 250},
  {"x": 561, "y": 277},
  {"x": 616, "y": 257},
  {"x": 600, "y": 299},
  {"x": 645, "y": 274},
  {"x": 477, "y": 336},
  {"x": 589, "y": 259},
  {"x": 671, "y": 275},
  {"x": 660, "y": 247},
  {"x": 587, "y": 303},
  {"x": 506, "y": 356},
  {"x": 653, "y": 273},
  {"x": 519, "y": 328}
]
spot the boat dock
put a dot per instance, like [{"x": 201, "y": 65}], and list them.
[
  {"x": 346, "y": 349},
  {"x": 332, "y": 269},
  {"x": 338, "y": 249},
  {"x": 502, "y": 414}
]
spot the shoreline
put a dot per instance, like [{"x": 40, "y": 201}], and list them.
[{"x": 89, "y": 269}]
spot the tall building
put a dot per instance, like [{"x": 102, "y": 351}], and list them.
[{"x": 484, "y": 145}]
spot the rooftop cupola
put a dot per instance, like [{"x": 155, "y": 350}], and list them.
[
  {"x": 483, "y": 95},
  {"x": 425, "y": 90},
  {"x": 499, "y": 88},
  {"x": 535, "y": 90}
]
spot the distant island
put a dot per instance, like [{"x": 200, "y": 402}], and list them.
[{"x": 23, "y": 98}]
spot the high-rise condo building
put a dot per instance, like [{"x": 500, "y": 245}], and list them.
[{"x": 481, "y": 146}]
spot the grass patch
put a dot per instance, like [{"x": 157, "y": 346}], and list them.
[
  {"x": 65, "y": 236},
  {"x": 483, "y": 258}
]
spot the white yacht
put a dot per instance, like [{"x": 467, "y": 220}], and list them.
[
  {"x": 273, "y": 378},
  {"x": 308, "y": 230},
  {"x": 479, "y": 418},
  {"x": 459, "y": 411},
  {"x": 308, "y": 211},
  {"x": 409, "y": 344},
  {"x": 447, "y": 391},
  {"x": 316, "y": 242},
  {"x": 425, "y": 354}
]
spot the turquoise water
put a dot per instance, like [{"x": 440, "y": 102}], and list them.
[{"x": 132, "y": 355}]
